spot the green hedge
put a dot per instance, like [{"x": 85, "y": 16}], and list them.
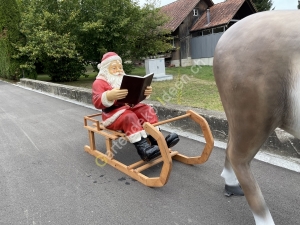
[
  {"x": 9, "y": 35},
  {"x": 4, "y": 59}
]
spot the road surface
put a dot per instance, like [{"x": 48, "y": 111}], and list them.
[{"x": 47, "y": 178}]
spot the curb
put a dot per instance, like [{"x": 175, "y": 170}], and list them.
[{"x": 279, "y": 142}]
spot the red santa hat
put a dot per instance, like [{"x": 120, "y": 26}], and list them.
[{"x": 108, "y": 58}]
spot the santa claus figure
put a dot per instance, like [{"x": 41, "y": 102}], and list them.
[{"x": 119, "y": 116}]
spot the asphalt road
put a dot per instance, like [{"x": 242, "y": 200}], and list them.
[{"x": 47, "y": 178}]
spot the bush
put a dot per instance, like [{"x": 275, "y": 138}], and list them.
[
  {"x": 4, "y": 59},
  {"x": 128, "y": 67},
  {"x": 64, "y": 70},
  {"x": 9, "y": 35}
]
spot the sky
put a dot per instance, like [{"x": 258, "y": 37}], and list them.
[{"x": 278, "y": 4}]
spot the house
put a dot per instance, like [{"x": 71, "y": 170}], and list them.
[{"x": 197, "y": 25}]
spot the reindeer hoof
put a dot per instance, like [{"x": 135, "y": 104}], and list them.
[{"x": 233, "y": 190}]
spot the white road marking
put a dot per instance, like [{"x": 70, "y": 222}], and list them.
[{"x": 289, "y": 163}]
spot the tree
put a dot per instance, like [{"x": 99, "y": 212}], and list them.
[
  {"x": 47, "y": 26},
  {"x": 9, "y": 35},
  {"x": 263, "y": 5},
  {"x": 121, "y": 26},
  {"x": 64, "y": 35},
  {"x": 298, "y": 4},
  {"x": 152, "y": 37}
]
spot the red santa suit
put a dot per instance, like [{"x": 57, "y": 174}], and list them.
[{"x": 118, "y": 116}]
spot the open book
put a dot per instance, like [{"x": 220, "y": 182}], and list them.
[{"x": 136, "y": 87}]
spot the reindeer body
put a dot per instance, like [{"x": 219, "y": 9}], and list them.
[{"x": 257, "y": 72}]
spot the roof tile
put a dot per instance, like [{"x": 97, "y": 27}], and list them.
[
  {"x": 178, "y": 11},
  {"x": 220, "y": 14}
]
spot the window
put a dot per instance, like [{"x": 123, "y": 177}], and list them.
[
  {"x": 197, "y": 34},
  {"x": 195, "y": 12},
  {"x": 173, "y": 42},
  {"x": 206, "y": 32},
  {"x": 218, "y": 30}
]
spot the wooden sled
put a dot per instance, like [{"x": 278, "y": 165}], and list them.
[{"x": 135, "y": 170}]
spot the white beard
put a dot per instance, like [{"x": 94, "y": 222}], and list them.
[{"x": 114, "y": 80}]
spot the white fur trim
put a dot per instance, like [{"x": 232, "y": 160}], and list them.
[
  {"x": 109, "y": 60},
  {"x": 137, "y": 136},
  {"x": 105, "y": 101},
  {"x": 144, "y": 134},
  {"x": 113, "y": 118},
  {"x": 101, "y": 77}
]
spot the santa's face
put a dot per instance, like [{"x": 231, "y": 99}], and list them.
[
  {"x": 116, "y": 68},
  {"x": 115, "y": 73}
]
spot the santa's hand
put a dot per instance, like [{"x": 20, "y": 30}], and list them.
[
  {"x": 148, "y": 91},
  {"x": 116, "y": 94}
]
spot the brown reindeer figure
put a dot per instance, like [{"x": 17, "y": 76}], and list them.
[{"x": 257, "y": 71}]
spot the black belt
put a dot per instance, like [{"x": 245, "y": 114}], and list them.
[{"x": 111, "y": 108}]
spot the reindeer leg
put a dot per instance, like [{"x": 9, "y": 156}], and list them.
[
  {"x": 240, "y": 153},
  {"x": 232, "y": 186}
]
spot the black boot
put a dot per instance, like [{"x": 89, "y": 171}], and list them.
[
  {"x": 146, "y": 151},
  {"x": 171, "y": 140}
]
